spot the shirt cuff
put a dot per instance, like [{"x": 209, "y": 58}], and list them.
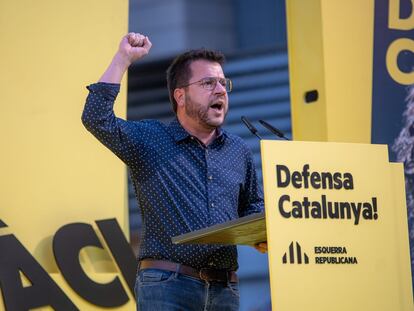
[{"x": 104, "y": 88}]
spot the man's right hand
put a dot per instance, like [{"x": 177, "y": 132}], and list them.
[{"x": 133, "y": 46}]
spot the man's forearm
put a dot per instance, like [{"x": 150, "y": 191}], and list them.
[{"x": 115, "y": 70}]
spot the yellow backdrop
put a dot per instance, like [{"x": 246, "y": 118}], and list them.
[
  {"x": 53, "y": 172},
  {"x": 330, "y": 50}
]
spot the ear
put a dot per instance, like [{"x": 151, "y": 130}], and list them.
[{"x": 179, "y": 96}]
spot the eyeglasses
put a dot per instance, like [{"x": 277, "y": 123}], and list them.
[{"x": 210, "y": 83}]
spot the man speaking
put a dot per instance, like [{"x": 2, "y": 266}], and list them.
[{"x": 187, "y": 175}]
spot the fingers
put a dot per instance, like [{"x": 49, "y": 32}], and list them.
[
  {"x": 147, "y": 43},
  {"x": 136, "y": 39},
  {"x": 138, "y": 42},
  {"x": 261, "y": 247},
  {"x": 133, "y": 47}
]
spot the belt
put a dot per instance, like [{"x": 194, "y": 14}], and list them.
[{"x": 205, "y": 274}]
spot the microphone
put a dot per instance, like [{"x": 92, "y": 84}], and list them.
[
  {"x": 251, "y": 127},
  {"x": 274, "y": 130}
]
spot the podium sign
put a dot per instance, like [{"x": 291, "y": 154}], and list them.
[{"x": 336, "y": 227}]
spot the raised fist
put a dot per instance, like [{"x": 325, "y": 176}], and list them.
[{"x": 134, "y": 46}]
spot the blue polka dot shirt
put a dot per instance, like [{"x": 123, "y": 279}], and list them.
[{"x": 181, "y": 185}]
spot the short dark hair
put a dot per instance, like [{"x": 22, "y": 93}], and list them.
[{"x": 179, "y": 72}]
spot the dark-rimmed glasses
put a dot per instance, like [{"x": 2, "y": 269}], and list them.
[{"x": 210, "y": 83}]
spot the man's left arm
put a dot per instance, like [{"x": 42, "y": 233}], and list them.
[{"x": 251, "y": 196}]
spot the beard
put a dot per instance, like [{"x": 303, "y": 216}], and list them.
[{"x": 204, "y": 114}]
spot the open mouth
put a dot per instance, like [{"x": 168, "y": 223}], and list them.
[{"x": 217, "y": 107}]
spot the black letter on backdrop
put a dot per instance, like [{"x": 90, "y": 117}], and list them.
[
  {"x": 43, "y": 291},
  {"x": 2, "y": 224},
  {"x": 67, "y": 243},
  {"x": 120, "y": 249}
]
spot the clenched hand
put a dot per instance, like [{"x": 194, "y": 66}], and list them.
[{"x": 132, "y": 47}]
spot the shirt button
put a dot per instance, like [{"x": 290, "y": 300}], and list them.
[
  {"x": 210, "y": 177},
  {"x": 191, "y": 137},
  {"x": 212, "y": 204},
  {"x": 210, "y": 263}
]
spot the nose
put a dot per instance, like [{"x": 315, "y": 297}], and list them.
[{"x": 219, "y": 89}]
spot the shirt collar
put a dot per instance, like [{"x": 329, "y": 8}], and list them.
[{"x": 180, "y": 134}]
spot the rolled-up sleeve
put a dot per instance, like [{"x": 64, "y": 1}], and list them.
[{"x": 99, "y": 118}]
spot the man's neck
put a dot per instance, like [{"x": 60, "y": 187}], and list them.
[{"x": 205, "y": 135}]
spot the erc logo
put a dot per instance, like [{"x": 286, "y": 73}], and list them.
[{"x": 297, "y": 256}]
